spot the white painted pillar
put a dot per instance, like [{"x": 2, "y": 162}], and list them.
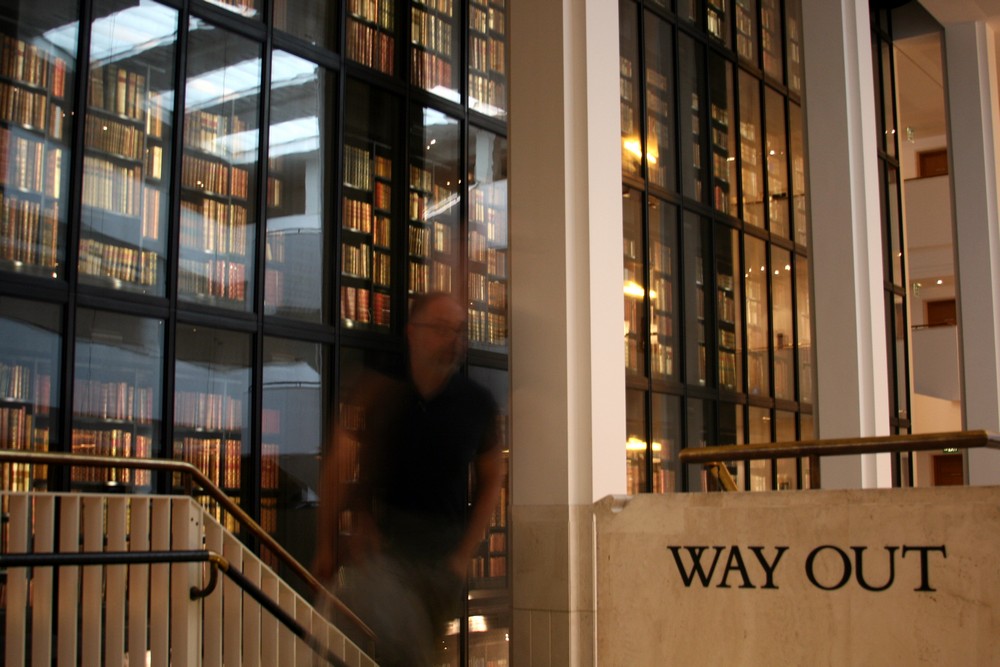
[
  {"x": 972, "y": 114},
  {"x": 846, "y": 243},
  {"x": 567, "y": 373}
]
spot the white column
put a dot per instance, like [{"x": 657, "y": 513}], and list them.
[
  {"x": 972, "y": 112},
  {"x": 846, "y": 243},
  {"x": 568, "y": 379}
]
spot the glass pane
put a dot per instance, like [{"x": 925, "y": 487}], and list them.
[
  {"x": 628, "y": 40},
  {"x": 218, "y": 202},
  {"x": 793, "y": 37},
  {"x": 687, "y": 10},
  {"x": 635, "y": 443},
  {"x": 784, "y": 427},
  {"x": 248, "y": 8},
  {"x": 901, "y": 359},
  {"x": 758, "y": 376},
  {"x": 370, "y": 210},
  {"x": 117, "y": 384},
  {"x": 760, "y": 431},
  {"x": 315, "y": 21},
  {"x": 487, "y": 240},
  {"x": 777, "y": 163},
  {"x": 723, "y": 127},
  {"x": 30, "y": 354},
  {"x": 750, "y": 151},
  {"x": 800, "y": 216},
  {"x": 730, "y": 425},
  {"x": 634, "y": 284},
  {"x": 433, "y": 52},
  {"x": 37, "y": 70},
  {"x": 691, "y": 59},
  {"x": 717, "y": 21},
  {"x": 803, "y": 312},
  {"x": 700, "y": 419},
  {"x": 729, "y": 300},
  {"x": 895, "y": 225},
  {"x": 664, "y": 290},
  {"x": 128, "y": 156},
  {"x": 487, "y": 58},
  {"x": 746, "y": 30},
  {"x": 490, "y": 619},
  {"x": 212, "y": 409},
  {"x": 888, "y": 103},
  {"x": 292, "y": 420},
  {"x": 435, "y": 182},
  {"x": 666, "y": 445},
  {"x": 697, "y": 244},
  {"x": 770, "y": 37},
  {"x": 371, "y": 34},
  {"x": 782, "y": 319},
  {"x": 660, "y": 159}
]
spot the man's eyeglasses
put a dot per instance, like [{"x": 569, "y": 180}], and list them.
[{"x": 442, "y": 329}]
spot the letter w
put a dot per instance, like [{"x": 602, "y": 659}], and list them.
[{"x": 696, "y": 568}]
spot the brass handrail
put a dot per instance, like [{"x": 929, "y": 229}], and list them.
[
  {"x": 195, "y": 474},
  {"x": 841, "y": 446}
]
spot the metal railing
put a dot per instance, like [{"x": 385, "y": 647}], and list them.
[
  {"x": 195, "y": 477},
  {"x": 711, "y": 457}
]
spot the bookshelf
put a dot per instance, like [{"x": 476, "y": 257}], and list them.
[
  {"x": 371, "y": 34},
  {"x": 717, "y": 20},
  {"x": 782, "y": 322},
  {"x": 793, "y": 45},
  {"x": 756, "y": 300},
  {"x": 776, "y": 150},
  {"x": 629, "y": 99},
  {"x": 433, "y": 58},
  {"x": 663, "y": 294},
  {"x": 751, "y": 159},
  {"x": 728, "y": 309},
  {"x": 487, "y": 241},
  {"x": 746, "y": 31},
  {"x": 660, "y": 169},
  {"x": 772, "y": 46},
  {"x": 34, "y": 151},
  {"x": 488, "y": 57},
  {"x": 634, "y": 283},
  {"x": 722, "y": 145},
  {"x": 690, "y": 85}
]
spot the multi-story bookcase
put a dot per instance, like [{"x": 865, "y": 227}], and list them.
[
  {"x": 716, "y": 261},
  {"x": 212, "y": 211}
]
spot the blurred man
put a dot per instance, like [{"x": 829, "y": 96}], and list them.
[{"x": 413, "y": 528}]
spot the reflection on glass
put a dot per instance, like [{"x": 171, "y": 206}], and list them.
[
  {"x": 785, "y": 469},
  {"x": 218, "y": 212},
  {"x": 127, "y": 158},
  {"x": 700, "y": 418},
  {"x": 777, "y": 163},
  {"x": 770, "y": 37},
  {"x": 212, "y": 409},
  {"x": 628, "y": 67},
  {"x": 37, "y": 70},
  {"x": 30, "y": 353},
  {"x": 793, "y": 37},
  {"x": 434, "y": 202},
  {"x": 487, "y": 58},
  {"x": 760, "y": 431},
  {"x": 729, "y": 300},
  {"x": 369, "y": 208},
  {"x": 901, "y": 358},
  {"x": 635, "y": 444},
  {"x": 666, "y": 443},
  {"x": 800, "y": 220},
  {"x": 315, "y": 21},
  {"x": 697, "y": 242},
  {"x": 746, "y": 30},
  {"x": 371, "y": 29},
  {"x": 803, "y": 311},
  {"x": 722, "y": 124},
  {"x": 894, "y": 223},
  {"x": 634, "y": 285},
  {"x": 691, "y": 112},
  {"x": 291, "y": 425},
  {"x": 434, "y": 45},
  {"x": 758, "y": 375},
  {"x": 117, "y": 381},
  {"x": 487, "y": 288},
  {"x": 490, "y": 619},
  {"x": 750, "y": 151},
  {"x": 730, "y": 425},
  {"x": 660, "y": 163},
  {"x": 296, "y": 271},
  {"x": 888, "y": 103},
  {"x": 717, "y": 21},
  {"x": 247, "y": 8},
  {"x": 781, "y": 319},
  {"x": 664, "y": 290}
]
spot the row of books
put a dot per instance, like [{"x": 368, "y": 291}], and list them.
[
  {"x": 211, "y": 411},
  {"x": 123, "y": 401},
  {"x": 129, "y": 265},
  {"x": 18, "y": 430},
  {"x": 112, "y": 187},
  {"x": 114, "y": 137},
  {"x": 360, "y": 304},
  {"x": 486, "y": 94},
  {"x": 487, "y": 327},
  {"x": 27, "y": 63},
  {"x": 430, "y": 71},
  {"x": 381, "y": 12},
  {"x": 430, "y": 31},
  {"x": 119, "y": 91},
  {"x": 485, "y": 204},
  {"x": 495, "y": 260},
  {"x": 479, "y": 246},
  {"x": 19, "y": 383},
  {"x": 424, "y": 240},
  {"x": 370, "y": 46},
  {"x": 360, "y": 261},
  {"x": 491, "y": 292},
  {"x": 357, "y": 168},
  {"x": 446, "y": 7},
  {"x": 434, "y": 277},
  {"x": 488, "y": 567},
  {"x": 223, "y": 135},
  {"x": 661, "y": 358},
  {"x": 29, "y": 233},
  {"x": 214, "y": 177},
  {"x": 19, "y": 477},
  {"x": 22, "y": 163},
  {"x": 219, "y": 458},
  {"x": 486, "y": 19},
  {"x": 357, "y": 215},
  {"x": 216, "y": 278},
  {"x": 114, "y": 442},
  {"x": 24, "y": 107},
  {"x": 214, "y": 227},
  {"x": 487, "y": 55}
]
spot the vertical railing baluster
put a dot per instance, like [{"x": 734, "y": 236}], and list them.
[
  {"x": 115, "y": 585},
  {"x": 138, "y": 582},
  {"x": 17, "y": 583},
  {"x": 69, "y": 582},
  {"x": 212, "y": 606},
  {"x": 159, "y": 586},
  {"x": 43, "y": 522},
  {"x": 185, "y": 617},
  {"x": 93, "y": 580}
]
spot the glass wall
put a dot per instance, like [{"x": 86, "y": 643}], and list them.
[{"x": 716, "y": 263}]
